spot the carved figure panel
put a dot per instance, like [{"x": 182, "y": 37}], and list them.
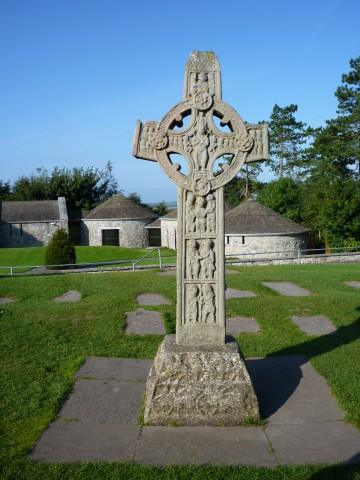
[
  {"x": 200, "y": 259},
  {"x": 200, "y": 213},
  {"x": 200, "y": 304}
]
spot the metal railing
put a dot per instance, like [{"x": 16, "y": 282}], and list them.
[
  {"x": 240, "y": 257},
  {"x": 123, "y": 264},
  {"x": 230, "y": 259}
]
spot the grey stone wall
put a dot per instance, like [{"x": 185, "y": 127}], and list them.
[
  {"x": 287, "y": 245},
  {"x": 131, "y": 232},
  {"x": 168, "y": 233},
  {"x": 34, "y": 234}
]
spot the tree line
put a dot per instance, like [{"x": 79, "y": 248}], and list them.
[
  {"x": 317, "y": 169},
  {"x": 317, "y": 172}
]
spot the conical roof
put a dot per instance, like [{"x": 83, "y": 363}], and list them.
[
  {"x": 252, "y": 218},
  {"x": 120, "y": 208}
]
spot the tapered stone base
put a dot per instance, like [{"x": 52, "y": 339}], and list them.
[{"x": 198, "y": 385}]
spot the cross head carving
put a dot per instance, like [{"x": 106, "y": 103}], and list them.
[{"x": 200, "y": 249}]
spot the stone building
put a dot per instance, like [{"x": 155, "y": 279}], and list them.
[
  {"x": 31, "y": 223},
  {"x": 166, "y": 228},
  {"x": 118, "y": 221},
  {"x": 251, "y": 228}
]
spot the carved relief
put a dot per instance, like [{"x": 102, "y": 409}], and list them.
[
  {"x": 200, "y": 304},
  {"x": 200, "y": 260},
  {"x": 200, "y": 213}
]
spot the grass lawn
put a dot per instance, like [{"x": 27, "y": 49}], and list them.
[
  {"x": 35, "y": 255},
  {"x": 43, "y": 344}
]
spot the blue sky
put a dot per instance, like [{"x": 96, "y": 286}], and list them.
[{"x": 77, "y": 74}]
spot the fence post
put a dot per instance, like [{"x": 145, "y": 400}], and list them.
[
  {"x": 160, "y": 262},
  {"x": 298, "y": 255},
  {"x": 11, "y": 271}
]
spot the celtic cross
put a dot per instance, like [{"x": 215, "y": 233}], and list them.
[{"x": 200, "y": 318}]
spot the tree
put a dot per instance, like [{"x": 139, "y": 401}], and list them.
[
  {"x": 160, "y": 209},
  {"x": 332, "y": 203},
  {"x": 82, "y": 187},
  {"x": 60, "y": 250},
  {"x": 284, "y": 196},
  {"x": 5, "y": 190},
  {"x": 244, "y": 184},
  {"x": 286, "y": 136}
]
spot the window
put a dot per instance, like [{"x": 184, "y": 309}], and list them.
[
  {"x": 243, "y": 240},
  {"x": 110, "y": 237},
  {"x": 15, "y": 230}
]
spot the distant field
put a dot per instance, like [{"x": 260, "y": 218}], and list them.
[
  {"x": 42, "y": 344},
  {"x": 35, "y": 255}
]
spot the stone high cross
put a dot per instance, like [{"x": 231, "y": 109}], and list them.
[
  {"x": 200, "y": 234},
  {"x": 200, "y": 379}
]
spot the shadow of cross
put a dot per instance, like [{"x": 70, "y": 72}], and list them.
[{"x": 200, "y": 318}]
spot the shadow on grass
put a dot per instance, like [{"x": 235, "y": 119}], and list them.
[{"x": 276, "y": 377}]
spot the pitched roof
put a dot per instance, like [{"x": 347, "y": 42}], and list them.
[
  {"x": 29, "y": 211},
  {"x": 120, "y": 208},
  {"x": 252, "y": 218},
  {"x": 171, "y": 215}
]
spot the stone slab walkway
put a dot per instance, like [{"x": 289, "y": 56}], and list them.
[
  {"x": 70, "y": 296},
  {"x": 4, "y": 300},
  {"x": 233, "y": 293},
  {"x": 236, "y": 325},
  {"x": 168, "y": 273},
  {"x": 231, "y": 272},
  {"x": 287, "y": 289},
  {"x": 144, "y": 322},
  {"x": 152, "y": 299},
  {"x": 314, "y": 325},
  {"x": 98, "y": 422},
  {"x": 353, "y": 283}
]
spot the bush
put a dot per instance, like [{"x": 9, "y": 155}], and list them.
[{"x": 60, "y": 250}]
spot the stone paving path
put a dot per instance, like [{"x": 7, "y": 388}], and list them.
[
  {"x": 233, "y": 293},
  {"x": 167, "y": 273},
  {"x": 152, "y": 299},
  {"x": 236, "y": 325},
  {"x": 70, "y": 296},
  {"x": 353, "y": 283},
  {"x": 314, "y": 325},
  {"x": 287, "y": 289},
  {"x": 98, "y": 422},
  {"x": 144, "y": 322},
  {"x": 4, "y": 300},
  {"x": 231, "y": 272}
]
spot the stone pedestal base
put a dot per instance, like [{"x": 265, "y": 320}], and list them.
[{"x": 196, "y": 385}]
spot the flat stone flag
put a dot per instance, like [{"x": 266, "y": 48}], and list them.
[{"x": 198, "y": 378}]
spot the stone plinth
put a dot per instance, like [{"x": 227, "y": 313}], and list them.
[{"x": 199, "y": 385}]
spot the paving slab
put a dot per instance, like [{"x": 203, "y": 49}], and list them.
[
  {"x": 108, "y": 368},
  {"x": 104, "y": 401},
  {"x": 152, "y": 299},
  {"x": 144, "y": 322},
  {"x": 318, "y": 442},
  {"x": 236, "y": 325},
  {"x": 231, "y": 272},
  {"x": 233, "y": 293},
  {"x": 314, "y": 325},
  {"x": 70, "y": 296},
  {"x": 353, "y": 283},
  {"x": 287, "y": 289},
  {"x": 4, "y": 300},
  {"x": 167, "y": 273},
  {"x": 204, "y": 445},
  {"x": 99, "y": 421},
  {"x": 81, "y": 442}
]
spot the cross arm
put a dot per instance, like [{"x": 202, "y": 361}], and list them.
[
  {"x": 143, "y": 141},
  {"x": 260, "y": 151}
]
